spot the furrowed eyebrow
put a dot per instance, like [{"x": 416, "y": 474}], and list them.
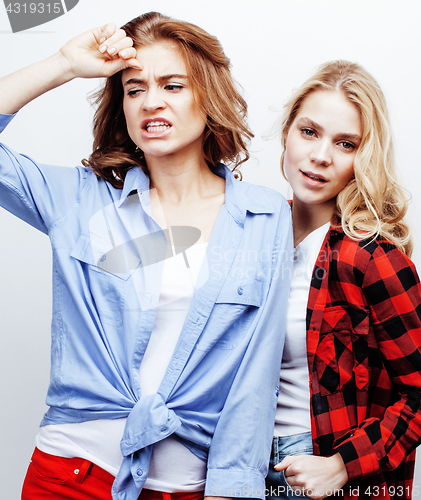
[
  {"x": 132, "y": 81},
  {"x": 170, "y": 77},
  {"x": 163, "y": 78}
]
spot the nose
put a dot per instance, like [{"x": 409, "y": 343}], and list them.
[
  {"x": 153, "y": 100},
  {"x": 322, "y": 153}
]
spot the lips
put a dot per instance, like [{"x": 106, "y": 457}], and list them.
[
  {"x": 155, "y": 128},
  {"x": 314, "y": 177},
  {"x": 156, "y": 125}
]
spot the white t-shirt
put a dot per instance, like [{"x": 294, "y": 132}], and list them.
[
  {"x": 293, "y": 410},
  {"x": 173, "y": 467}
]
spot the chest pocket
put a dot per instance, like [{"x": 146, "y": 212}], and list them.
[
  {"x": 341, "y": 359},
  {"x": 105, "y": 291},
  {"x": 234, "y": 310}
]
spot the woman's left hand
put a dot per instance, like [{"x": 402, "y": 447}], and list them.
[{"x": 316, "y": 477}]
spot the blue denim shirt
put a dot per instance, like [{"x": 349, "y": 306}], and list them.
[{"x": 219, "y": 392}]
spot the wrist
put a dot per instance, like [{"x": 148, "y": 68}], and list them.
[
  {"x": 63, "y": 68},
  {"x": 338, "y": 465}
]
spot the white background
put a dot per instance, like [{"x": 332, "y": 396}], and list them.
[{"x": 273, "y": 46}]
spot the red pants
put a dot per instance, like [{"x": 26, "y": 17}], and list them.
[{"x": 57, "y": 478}]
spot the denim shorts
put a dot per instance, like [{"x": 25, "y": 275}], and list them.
[{"x": 276, "y": 485}]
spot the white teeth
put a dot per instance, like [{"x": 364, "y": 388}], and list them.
[
  {"x": 157, "y": 126},
  {"x": 315, "y": 178}
]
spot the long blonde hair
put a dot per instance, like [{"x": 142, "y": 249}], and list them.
[{"x": 373, "y": 203}]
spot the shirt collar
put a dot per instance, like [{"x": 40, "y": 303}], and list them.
[
  {"x": 238, "y": 198},
  {"x": 242, "y": 197},
  {"x": 136, "y": 180}
]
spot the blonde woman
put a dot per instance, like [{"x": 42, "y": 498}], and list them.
[{"x": 349, "y": 413}]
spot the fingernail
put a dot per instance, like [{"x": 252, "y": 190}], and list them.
[
  {"x": 111, "y": 51},
  {"x": 103, "y": 49},
  {"x": 102, "y": 39},
  {"x": 123, "y": 53}
]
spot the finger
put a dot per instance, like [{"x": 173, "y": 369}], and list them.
[
  {"x": 106, "y": 32},
  {"x": 113, "y": 66},
  {"x": 115, "y": 43},
  {"x": 127, "y": 53},
  {"x": 117, "y": 47},
  {"x": 286, "y": 462},
  {"x": 295, "y": 485},
  {"x": 133, "y": 63}
]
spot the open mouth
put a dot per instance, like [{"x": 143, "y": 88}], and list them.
[
  {"x": 314, "y": 177},
  {"x": 156, "y": 126}
]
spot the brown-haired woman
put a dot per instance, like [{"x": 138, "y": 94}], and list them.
[{"x": 166, "y": 274}]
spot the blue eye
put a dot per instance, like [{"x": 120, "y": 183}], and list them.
[
  {"x": 348, "y": 146},
  {"x": 308, "y": 132}
]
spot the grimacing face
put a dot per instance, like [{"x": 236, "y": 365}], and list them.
[{"x": 162, "y": 116}]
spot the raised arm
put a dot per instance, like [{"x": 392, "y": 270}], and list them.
[{"x": 100, "y": 52}]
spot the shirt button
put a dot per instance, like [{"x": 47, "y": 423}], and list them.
[
  {"x": 76, "y": 471},
  {"x": 164, "y": 428},
  {"x": 240, "y": 291},
  {"x": 103, "y": 258},
  {"x": 139, "y": 472}
]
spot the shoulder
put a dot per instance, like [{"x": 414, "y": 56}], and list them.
[
  {"x": 365, "y": 249},
  {"x": 372, "y": 258},
  {"x": 262, "y": 199}
]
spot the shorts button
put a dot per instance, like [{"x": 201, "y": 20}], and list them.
[
  {"x": 76, "y": 471},
  {"x": 240, "y": 291}
]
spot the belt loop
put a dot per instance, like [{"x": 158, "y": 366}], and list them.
[
  {"x": 275, "y": 449},
  {"x": 82, "y": 471},
  {"x": 166, "y": 496}
]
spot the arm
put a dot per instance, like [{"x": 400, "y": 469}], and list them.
[
  {"x": 41, "y": 194},
  {"x": 100, "y": 52},
  {"x": 240, "y": 447},
  {"x": 392, "y": 289}
]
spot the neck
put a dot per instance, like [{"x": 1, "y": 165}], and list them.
[
  {"x": 179, "y": 180},
  {"x": 307, "y": 218}
]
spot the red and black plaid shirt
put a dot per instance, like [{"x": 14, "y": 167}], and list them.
[{"x": 364, "y": 358}]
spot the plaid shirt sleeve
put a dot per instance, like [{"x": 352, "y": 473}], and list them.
[{"x": 392, "y": 291}]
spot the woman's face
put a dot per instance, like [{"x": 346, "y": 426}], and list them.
[
  {"x": 162, "y": 117},
  {"x": 321, "y": 146}
]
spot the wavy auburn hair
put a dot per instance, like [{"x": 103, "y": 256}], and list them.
[
  {"x": 208, "y": 69},
  {"x": 373, "y": 203}
]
